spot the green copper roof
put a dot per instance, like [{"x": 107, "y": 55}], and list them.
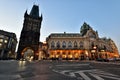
[
  {"x": 35, "y": 11},
  {"x": 84, "y": 28}
]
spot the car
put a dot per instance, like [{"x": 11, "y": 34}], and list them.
[
  {"x": 22, "y": 59},
  {"x": 117, "y": 59},
  {"x": 111, "y": 59},
  {"x": 100, "y": 59},
  {"x": 106, "y": 60}
]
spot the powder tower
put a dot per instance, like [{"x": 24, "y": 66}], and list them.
[{"x": 30, "y": 35}]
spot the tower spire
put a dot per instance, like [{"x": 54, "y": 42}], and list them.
[{"x": 35, "y": 11}]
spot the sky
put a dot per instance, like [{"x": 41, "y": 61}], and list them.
[{"x": 64, "y": 16}]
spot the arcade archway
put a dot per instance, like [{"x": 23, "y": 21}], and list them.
[{"x": 28, "y": 54}]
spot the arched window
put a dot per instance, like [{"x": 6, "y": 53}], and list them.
[
  {"x": 75, "y": 44},
  {"x": 105, "y": 47},
  {"x": 64, "y": 44},
  {"x": 92, "y": 45},
  {"x": 52, "y": 44},
  {"x": 92, "y": 35},
  {"x": 69, "y": 44},
  {"x": 81, "y": 44},
  {"x": 58, "y": 44}
]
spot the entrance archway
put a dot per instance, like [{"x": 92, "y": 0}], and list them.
[{"x": 28, "y": 54}]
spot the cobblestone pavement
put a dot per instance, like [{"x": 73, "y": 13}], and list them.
[{"x": 59, "y": 70}]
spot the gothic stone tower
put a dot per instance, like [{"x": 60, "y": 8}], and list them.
[{"x": 30, "y": 34}]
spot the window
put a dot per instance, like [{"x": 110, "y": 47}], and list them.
[
  {"x": 81, "y": 44},
  {"x": 52, "y": 44},
  {"x": 29, "y": 39},
  {"x": 69, "y": 44},
  {"x": 92, "y": 44},
  {"x": 64, "y": 44},
  {"x": 58, "y": 44},
  {"x": 105, "y": 47},
  {"x": 92, "y": 35},
  {"x": 0, "y": 44},
  {"x": 1, "y": 40},
  {"x": 75, "y": 44}
]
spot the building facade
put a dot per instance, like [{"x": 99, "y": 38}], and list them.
[
  {"x": 83, "y": 45},
  {"x": 43, "y": 54},
  {"x": 8, "y": 42},
  {"x": 29, "y": 39}
]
